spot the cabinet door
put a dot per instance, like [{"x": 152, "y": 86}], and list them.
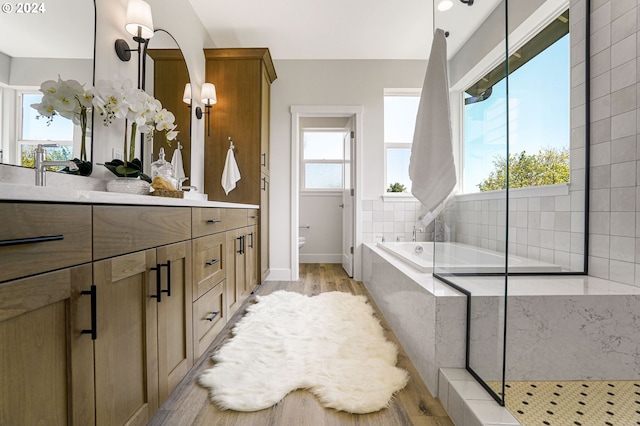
[
  {"x": 45, "y": 360},
  {"x": 264, "y": 228},
  {"x": 175, "y": 325},
  {"x": 265, "y": 100},
  {"x": 126, "y": 370},
  {"x": 235, "y": 267},
  {"x": 251, "y": 253},
  {"x": 209, "y": 266}
]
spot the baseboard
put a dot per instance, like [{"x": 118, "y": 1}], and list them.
[
  {"x": 320, "y": 258},
  {"x": 279, "y": 275}
]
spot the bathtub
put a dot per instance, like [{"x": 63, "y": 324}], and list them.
[{"x": 462, "y": 258}]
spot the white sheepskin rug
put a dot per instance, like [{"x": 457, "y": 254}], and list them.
[{"x": 330, "y": 344}]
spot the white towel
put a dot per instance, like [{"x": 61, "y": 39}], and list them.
[
  {"x": 230, "y": 174},
  {"x": 431, "y": 167},
  {"x": 176, "y": 162}
]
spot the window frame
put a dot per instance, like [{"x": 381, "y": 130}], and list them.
[
  {"x": 304, "y": 162},
  {"x": 20, "y": 141},
  {"x": 469, "y": 82},
  {"x": 396, "y": 92}
]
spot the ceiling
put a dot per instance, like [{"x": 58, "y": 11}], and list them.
[{"x": 339, "y": 29}]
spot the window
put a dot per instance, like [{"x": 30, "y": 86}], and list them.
[
  {"x": 400, "y": 111},
  {"x": 539, "y": 92},
  {"x": 34, "y": 130},
  {"x": 322, "y": 159}
]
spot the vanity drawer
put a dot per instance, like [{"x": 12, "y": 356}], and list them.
[
  {"x": 235, "y": 218},
  {"x": 36, "y": 238},
  {"x": 208, "y": 263},
  {"x": 207, "y": 221},
  {"x": 209, "y": 317},
  {"x": 125, "y": 229},
  {"x": 252, "y": 217}
]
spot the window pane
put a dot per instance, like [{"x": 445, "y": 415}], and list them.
[
  {"x": 323, "y": 176},
  {"x": 400, "y": 118},
  {"x": 37, "y": 129},
  {"x": 323, "y": 145},
  {"x": 61, "y": 153},
  {"x": 398, "y": 167},
  {"x": 539, "y": 92}
]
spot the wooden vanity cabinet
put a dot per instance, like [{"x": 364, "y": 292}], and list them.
[{"x": 45, "y": 360}]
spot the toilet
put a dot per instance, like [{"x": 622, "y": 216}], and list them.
[{"x": 301, "y": 241}]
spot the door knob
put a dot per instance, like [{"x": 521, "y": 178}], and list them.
[{"x": 341, "y": 205}]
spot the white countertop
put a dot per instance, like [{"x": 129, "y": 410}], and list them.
[{"x": 17, "y": 192}]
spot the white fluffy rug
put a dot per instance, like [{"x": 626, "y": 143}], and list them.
[{"x": 330, "y": 344}]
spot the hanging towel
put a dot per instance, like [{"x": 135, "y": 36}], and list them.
[
  {"x": 230, "y": 174},
  {"x": 176, "y": 162},
  {"x": 431, "y": 166}
]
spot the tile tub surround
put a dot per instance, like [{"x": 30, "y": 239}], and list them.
[{"x": 428, "y": 317}]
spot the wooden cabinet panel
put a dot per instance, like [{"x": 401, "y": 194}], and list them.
[
  {"x": 210, "y": 315},
  {"x": 175, "y": 312},
  {"x": 235, "y": 218},
  {"x": 126, "y": 229},
  {"x": 209, "y": 261},
  {"x": 236, "y": 272},
  {"x": 253, "y": 216},
  {"x": 22, "y": 253},
  {"x": 263, "y": 259},
  {"x": 126, "y": 370},
  {"x": 251, "y": 261},
  {"x": 46, "y": 378},
  {"x": 207, "y": 221}
]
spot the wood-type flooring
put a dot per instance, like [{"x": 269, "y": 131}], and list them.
[{"x": 414, "y": 405}]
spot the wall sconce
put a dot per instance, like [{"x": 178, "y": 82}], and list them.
[
  {"x": 208, "y": 98},
  {"x": 140, "y": 25},
  {"x": 187, "y": 98},
  {"x": 443, "y": 5}
]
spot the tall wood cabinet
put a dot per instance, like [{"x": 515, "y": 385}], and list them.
[{"x": 243, "y": 80}]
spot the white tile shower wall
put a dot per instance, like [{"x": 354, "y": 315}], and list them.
[
  {"x": 392, "y": 219},
  {"x": 614, "y": 221}
]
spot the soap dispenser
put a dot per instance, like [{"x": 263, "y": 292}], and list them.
[{"x": 164, "y": 169}]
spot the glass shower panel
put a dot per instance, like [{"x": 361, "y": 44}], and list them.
[{"x": 471, "y": 234}]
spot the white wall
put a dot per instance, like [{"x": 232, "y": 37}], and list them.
[
  {"x": 178, "y": 18},
  {"x": 329, "y": 82}
]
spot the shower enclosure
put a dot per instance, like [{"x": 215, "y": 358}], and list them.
[{"x": 520, "y": 110}]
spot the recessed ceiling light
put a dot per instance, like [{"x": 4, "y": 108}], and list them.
[{"x": 443, "y": 5}]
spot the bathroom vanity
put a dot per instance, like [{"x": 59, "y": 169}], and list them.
[{"x": 106, "y": 300}]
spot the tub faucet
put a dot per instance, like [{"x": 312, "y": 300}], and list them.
[
  {"x": 415, "y": 230},
  {"x": 40, "y": 164}
]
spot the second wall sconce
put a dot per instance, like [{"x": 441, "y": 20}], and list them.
[
  {"x": 187, "y": 98},
  {"x": 140, "y": 25},
  {"x": 208, "y": 98}
]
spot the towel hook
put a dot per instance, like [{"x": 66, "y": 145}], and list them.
[
  {"x": 179, "y": 145},
  {"x": 231, "y": 143}
]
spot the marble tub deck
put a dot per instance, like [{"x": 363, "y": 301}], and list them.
[{"x": 559, "y": 327}]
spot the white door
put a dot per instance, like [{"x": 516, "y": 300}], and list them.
[{"x": 347, "y": 201}]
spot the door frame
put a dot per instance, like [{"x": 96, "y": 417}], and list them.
[{"x": 297, "y": 112}]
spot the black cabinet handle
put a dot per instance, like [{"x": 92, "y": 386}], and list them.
[
  {"x": 94, "y": 312},
  {"x": 264, "y": 183},
  {"x": 251, "y": 240},
  {"x": 214, "y": 221},
  {"x": 168, "y": 290},
  {"x": 241, "y": 244},
  {"x": 158, "y": 294},
  {"x": 215, "y": 314},
  {"x": 264, "y": 159},
  {"x": 212, "y": 262},
  {"x": 18, "y": 241}
]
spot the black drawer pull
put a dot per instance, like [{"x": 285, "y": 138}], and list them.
[
  {"x": 253, "y": 217},
  {"x": 5, "y": 243},
  {"x": 168, "y": 290},
  {"x": 94, "y": 317},
  {"x": 214, "y": 221},
  {"x": 215, "y": 314},
  {"x": 212, "y": 262}
]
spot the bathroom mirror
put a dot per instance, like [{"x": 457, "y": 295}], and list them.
[
  {"x": 165, "y": 78},
  {"x": 43, "y": 41}
]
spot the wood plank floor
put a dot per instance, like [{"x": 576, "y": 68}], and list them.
[{"x": 414, "y": 405}]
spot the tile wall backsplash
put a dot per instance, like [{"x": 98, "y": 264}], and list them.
[{"x": 392, "y": 219}]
